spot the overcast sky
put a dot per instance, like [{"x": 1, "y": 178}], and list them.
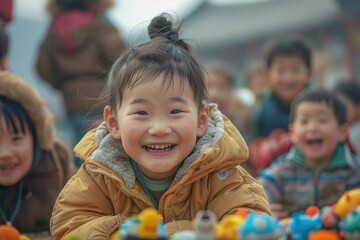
[{"x": 126, "y": 14}]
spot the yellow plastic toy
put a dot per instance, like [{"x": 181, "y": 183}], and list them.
[
  {"x": 227, "y": 228},
  {"x": 149, "y": 221},
  {"x": 347, "y": 203}
]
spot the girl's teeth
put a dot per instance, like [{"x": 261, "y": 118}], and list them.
[
  {"x": 4, "y": 168},
  {"x": 158, "y": 147}
]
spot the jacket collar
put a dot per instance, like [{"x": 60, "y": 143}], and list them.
[{"x": 340, "y": 158}]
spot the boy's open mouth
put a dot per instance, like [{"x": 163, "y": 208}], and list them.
[
  {"x": 314, "y": 141},
  {"x": 159, "y": 148}
]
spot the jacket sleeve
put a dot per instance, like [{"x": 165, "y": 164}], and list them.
[
  {"x": 92, "y": 218},
  {"x": 235, "y": 189},
  {"x": 270, "y": 179},
  {"x": 44, "y": 63},
  {"x": 66, "y": 161}
]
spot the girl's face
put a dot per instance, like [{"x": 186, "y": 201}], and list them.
[
  {"x": 158, "y": 128},
  {"x": 316, "y": 132},
  {"x": 219, "y": 89},
  {"x": 16, "y": 154},
  {"x": 288, "y": 76}
]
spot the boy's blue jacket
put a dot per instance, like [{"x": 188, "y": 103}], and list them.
[
  {"x": 270, "y": 114},
  {"x": 292, "y": 182}
]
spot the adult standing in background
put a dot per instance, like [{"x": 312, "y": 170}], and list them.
[
  {"x": 75, "y": 55},
  {"x": 6, "y": 13}
]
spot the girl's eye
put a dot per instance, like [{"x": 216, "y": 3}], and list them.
[
  {"x": 303, "y": 121},
  {"x": 175, "y": 111},
  {"x": 16, "y": 138},
  {"x": 323, "y": 120},
  {"x": 143, "y": 113}
]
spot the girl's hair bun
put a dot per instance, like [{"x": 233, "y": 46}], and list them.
[{"x": 162, "y": 26}]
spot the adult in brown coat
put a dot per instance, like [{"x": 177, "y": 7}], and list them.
[
  {"x": 76, "y": 54},
  {"x": 34, "y": 166}
]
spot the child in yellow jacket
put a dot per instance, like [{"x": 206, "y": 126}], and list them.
[{"x": 161, "y": 146}]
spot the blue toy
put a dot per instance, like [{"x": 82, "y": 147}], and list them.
[
  {"x": 301, "y": 225},
  {"x": 351, "y": 225},
  {"x": 261, "y": 226}
]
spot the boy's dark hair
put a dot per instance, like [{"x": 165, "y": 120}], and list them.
[
  {"x": 76, "y": 4},
  {"x": 321, "y": 96},
  {"x": 349, "y": 89},
  {"x": 288, "y": 47},
  {"x": 165, "y": 55},
  {"x": 4, "y": 43},
  {"x": 16, "y": 119}
]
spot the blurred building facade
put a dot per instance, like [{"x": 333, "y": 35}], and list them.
[{"x": 237, "y": 32}]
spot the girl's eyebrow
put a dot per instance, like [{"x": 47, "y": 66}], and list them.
[
  {"x": 173, "y": 99},
  {"x": 138, "y": 101},
  {"x": 179, "y": 99}
]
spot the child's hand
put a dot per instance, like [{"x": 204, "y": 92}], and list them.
[{"x": 278, "y": 211}]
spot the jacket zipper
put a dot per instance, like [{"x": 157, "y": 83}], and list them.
[{"x": 316, "y": 181}]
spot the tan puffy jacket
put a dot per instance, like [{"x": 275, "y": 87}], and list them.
[{"x": 104, "y": 192}]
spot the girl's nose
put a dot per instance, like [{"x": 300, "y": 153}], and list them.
[
  {"x": 159, "y": 129},
  {"x": 5, "y": 153}
]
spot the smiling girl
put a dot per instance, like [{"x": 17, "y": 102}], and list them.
[{"x": 161, "y": 146}]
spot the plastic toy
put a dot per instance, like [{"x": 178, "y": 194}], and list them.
[
  {"x": 11, "y": 233},
  {"x": 351, "y": 225},
  {"x": 347, "y": 203},
  {"x": 301, "y": 225},
  {"x": 261, "y": 226},
  {"x": 146, "y": 225},
  {"x": 329, "y": 219},
  {"x": 205, "y": 225},
  {"x": 227, "y": 228},
  {"x": 184, "y": 235},
  {"x": 324, "y": 235}
]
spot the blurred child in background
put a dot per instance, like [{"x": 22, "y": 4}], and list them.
[
  {"x": 319, "y": 167},
  {"x": 4, "y": 46},
  {"x": 34, "y": 166},
  {"x": 220, "y": 83},
  {"x": 76, "y": 55},
  {"x": 254, "y": 78},
  {"x": 288, "y": 71},
  {"x": 233, "y": 103},
  {"x": 350, "y": 93},
  {"x": 162, "y": 146}
]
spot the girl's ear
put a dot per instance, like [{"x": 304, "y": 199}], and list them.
[
  {"x": 111, "y": 123},
  {"x": 203, "y": 121},
  {"x": 344, "y": 132},
  {"x": 291, "y": 133}
]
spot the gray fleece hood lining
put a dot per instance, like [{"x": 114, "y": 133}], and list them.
[{"x": 112, "y": 154}]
